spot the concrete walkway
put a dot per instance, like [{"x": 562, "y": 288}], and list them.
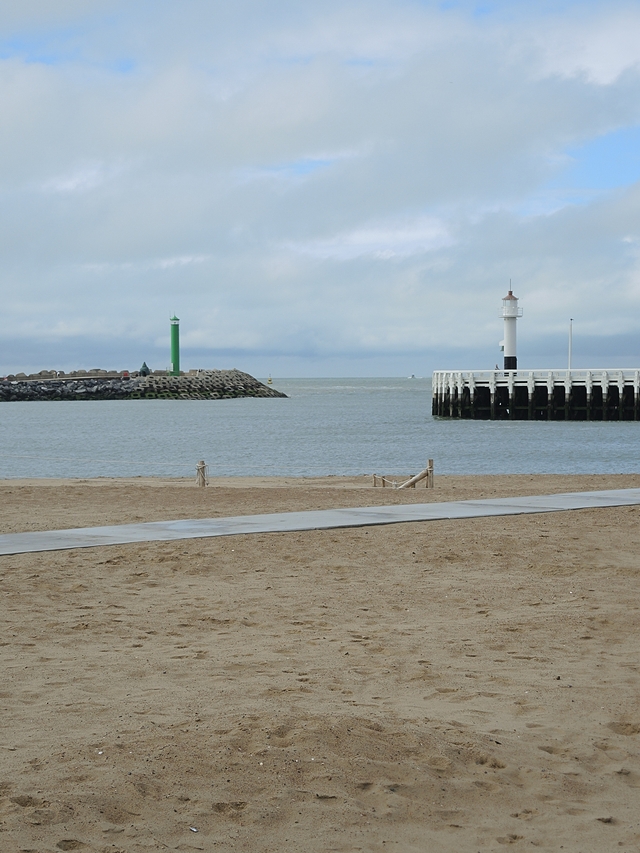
[{"x": 283, "y": 522}]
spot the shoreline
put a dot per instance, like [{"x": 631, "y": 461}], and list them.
[
  {"x": 359, "y": 481},
  {"x": 28, "y": 504},
  {"x": 325, "y": 480}
]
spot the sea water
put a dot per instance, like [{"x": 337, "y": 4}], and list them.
[{"x": 326, "y": 426}]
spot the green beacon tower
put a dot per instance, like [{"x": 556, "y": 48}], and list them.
[{"x": 175, "y": 346}]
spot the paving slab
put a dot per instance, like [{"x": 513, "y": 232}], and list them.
[{"x": 284, "y": 522}]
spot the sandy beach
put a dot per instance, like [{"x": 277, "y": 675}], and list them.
[{"x": 444, "y": 686}]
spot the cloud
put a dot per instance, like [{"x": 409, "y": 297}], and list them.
[
  {"x": 296, "y": 170},
  {"x": 144, "y": 266},
  {"x": 82, "y": 179},
  {"x": 349, "y": 177},
  {"x": 600, "y": 44},
  {"x": 382, "y": 241}
]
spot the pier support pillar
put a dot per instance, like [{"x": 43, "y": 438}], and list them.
[
  {"x": 512, "y": 397},
  {"x": 568, "y": 395},
  {"x": 550, "y": 396},
  {"x": 492, "y": 392},
  {"x": 620, "y": 398}
]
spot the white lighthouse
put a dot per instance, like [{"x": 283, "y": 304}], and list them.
[{"x": 510, "y": 314}]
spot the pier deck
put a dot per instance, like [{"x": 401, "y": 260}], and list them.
[{"x": 540, "y": 395}]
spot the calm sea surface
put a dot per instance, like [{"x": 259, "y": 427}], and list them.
[{"x": 327, "y": 426}]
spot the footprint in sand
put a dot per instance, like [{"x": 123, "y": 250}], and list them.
[
  {"x": 622, "y": 728},
  {"x": 25, "y": 801},
  {"x": 526, "y": 814}
]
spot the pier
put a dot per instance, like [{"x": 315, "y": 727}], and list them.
[{"x": 537, "y": 395}]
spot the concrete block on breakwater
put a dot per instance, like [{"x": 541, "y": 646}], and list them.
[{"x": 100, "y": 385}]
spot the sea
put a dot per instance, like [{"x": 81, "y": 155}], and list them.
[{"x": 324, "y": 427}]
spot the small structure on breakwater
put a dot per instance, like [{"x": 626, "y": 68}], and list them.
[
  {"x": 102, "y": 385},
  {"x": 535, "y": 395}
]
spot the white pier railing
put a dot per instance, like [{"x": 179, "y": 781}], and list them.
[{"x": 537, "y": 394}]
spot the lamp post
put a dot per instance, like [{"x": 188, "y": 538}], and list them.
[{"x": 570, "y": 340}]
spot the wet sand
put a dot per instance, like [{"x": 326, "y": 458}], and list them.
[{"x": 449, "y": 686}]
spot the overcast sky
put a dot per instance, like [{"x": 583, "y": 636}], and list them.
[{"x": 318, "y": 188}]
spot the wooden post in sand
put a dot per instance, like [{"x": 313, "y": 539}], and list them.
[
  {"x": 201, "y": 473},
  {"x": 426, "y": 475}
]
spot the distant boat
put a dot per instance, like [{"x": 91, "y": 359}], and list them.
[
  {"x": 413, "y": 376},
  {"x": 269, "y": 380}
]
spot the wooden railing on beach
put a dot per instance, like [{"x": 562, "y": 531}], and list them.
[{"x": 414, "y": 479}]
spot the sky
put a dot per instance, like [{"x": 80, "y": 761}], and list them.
[{"x": 318, "y": 189}]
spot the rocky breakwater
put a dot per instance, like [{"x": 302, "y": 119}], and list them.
[
  {"x": 204, "y": 385},
  {"x": 100, "y": 385}
]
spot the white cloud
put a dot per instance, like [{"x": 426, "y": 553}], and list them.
[
  {"x": 145, "y": 265},
  {"x": 300, "y": 169},
  {"x": 382, "y": 241},
  {"x": 181, "y": 261},
  {"x": 82, "y": 179},
  {"x": 601, "y": 44}
]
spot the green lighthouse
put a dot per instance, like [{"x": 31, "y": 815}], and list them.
[{"x": 175, "y": 346}]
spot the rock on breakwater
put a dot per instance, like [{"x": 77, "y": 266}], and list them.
[{"x": 199, "y": 385}]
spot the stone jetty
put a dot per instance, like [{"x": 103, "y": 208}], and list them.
[{"x": 104, "y": 385}]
